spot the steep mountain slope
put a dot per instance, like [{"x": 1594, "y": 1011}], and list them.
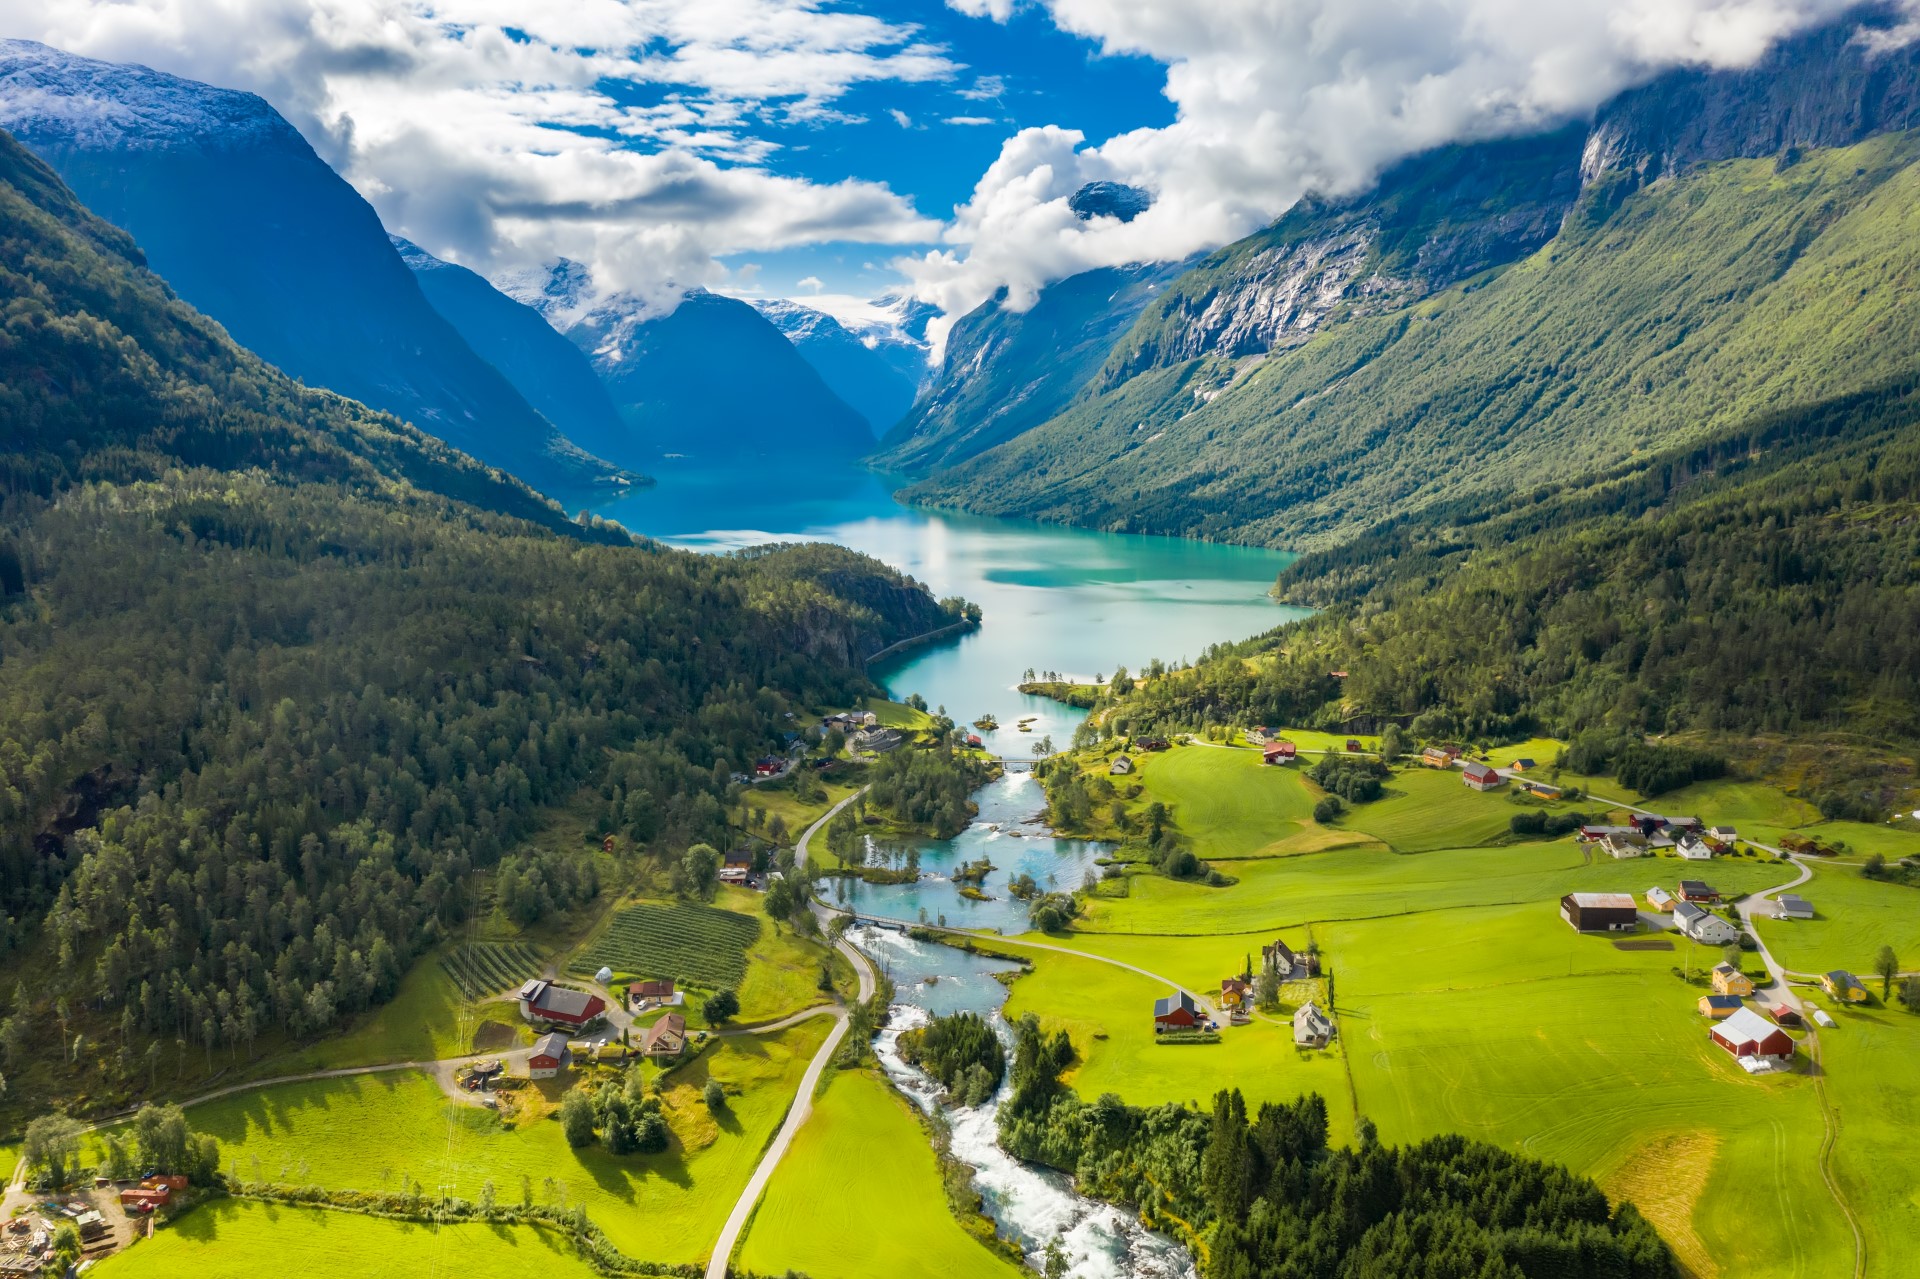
[
  {"x": 241, "y": 216},
  {"x": 857, "y": 373},
  {"x": 712, "y": 379},
  {"x": 552, "y": 373},
  {"x": 1008, "y": 371},
  {"x": 1359, "y": 359},
  {"x": 282, "y": 672}
]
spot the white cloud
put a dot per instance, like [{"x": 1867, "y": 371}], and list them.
[
  {"x": 973, "y": 120},
  {"x": 486, "y": 129},
  {"x": 900, "y": 117},
  {"x": 812, "y": 283},
  {"x": 984, "y": 89},
  {"x": 1278, "y": 97}
]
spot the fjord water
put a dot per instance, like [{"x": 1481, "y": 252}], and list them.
[{"x": 1054, "y": 598}]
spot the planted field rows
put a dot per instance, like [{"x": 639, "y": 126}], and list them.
[
  {"x": 696, "y": 944},
  {"x": 487, "y": 968}
]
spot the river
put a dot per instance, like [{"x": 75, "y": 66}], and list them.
[{"x": 1054, "y": 599}]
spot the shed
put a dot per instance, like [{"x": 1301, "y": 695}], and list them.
[
  {"x": 1121, "y": 766},
  {"x": 1177, "y": 1011},
  {"x": 1353, "y": 744},
  {"x": 1719, "y": 1006},
  {"x": 1786, "y": 1015},
  {"x": 1659, "y": 899},
  {"x": 1600, "y": 912},
  {"x": 1311, "y": 1027},
  {"x": 1795, "y": 907},
  {"x": 1745, "y": 1033},
  {"x": 1522, "y": 764},
  {"x": 550, "y": 1056}
]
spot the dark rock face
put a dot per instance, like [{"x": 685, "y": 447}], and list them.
[
  {"x": 1110, "y": 200},
  {"x": 1830, "y": 88}
]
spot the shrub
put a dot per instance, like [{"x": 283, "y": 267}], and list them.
[{"x": 1328, "y": 809}]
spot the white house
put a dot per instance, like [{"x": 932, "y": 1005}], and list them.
[
  {"x": 1622, "y": 845},
  {"x": 1725, "y": 834},
  {"x": 1311, "y": 1027},
  {"x": 1695, "y": 849},
  {"x": 1708, "y": 930}
]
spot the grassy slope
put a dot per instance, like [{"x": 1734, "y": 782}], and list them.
[
  {"x": 236, "y": 1240},
  {"x": 884, "y": 1212},
  {"x": 1698, "y": 304},
  {"x": 1853, "y": 918},
  {"x": 366, "y": 1132}
]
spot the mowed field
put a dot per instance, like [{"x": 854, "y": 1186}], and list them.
[
  {"x": 859, "y": 1195},
  {"x": 1466, "y": 1005},
  {"x": 367, "y": 1132},
  {"x": 231, "y": 1239}
]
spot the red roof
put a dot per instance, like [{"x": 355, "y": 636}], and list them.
[{"x": 1279, "y": 748}]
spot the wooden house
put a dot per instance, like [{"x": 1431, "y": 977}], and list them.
[
  {"x": 1719, "y": 1006},
  {"x": 1698, "y": 890},
  {"x": 550, "y": 1056},
  {"x": 1844, "y": 986},
  {"x": 1728, "y": 980},
  {"x": 1177, "y": 1011},
  {"x": 1659, "y": 899},
  {"x": 1279, "y": 753},
  {"x": 1707, "y": 929},
  {"x": 1311, "y": 1027},
  {"x": 1235, "y": 993},
  {"x": 666, "y": 1037}
]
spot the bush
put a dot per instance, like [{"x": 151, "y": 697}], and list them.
[
  {"x": 1328, "y": 810},
  {"x": 715, "y": 1096},
  {"x": 720, "y": 1006}
]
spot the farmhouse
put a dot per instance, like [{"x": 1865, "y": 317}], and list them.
[
  {"x": 1710, "y": 930},
  {"x": 550, "y": 1056},
  {"x": 1698, "y": 890},
  {"x": 1279, "y": 753},
  {"x": 1281, "y": 959},
  {"x": 1795, "y": 907},
  {"x": 1600, "y": 912},
  {"x": 1353, "y": 744},
  {"x": 1121, "y": 766},
  {"x": 1725, "y": 834},
  {"x": 1659, "y": 899},
  {"x": 1623, "y": 845},
  {"x": 666, "y": 1037},
  {"x": 642, "y": 993},
  {"x": 1844, "y": 986},
  {"x": 1480, "y": 777},
  {"x": 736, "y": 866},
  {"x": 1235, "y": 993},
  {"x": 542, "y": 1001},
  {"x": 1695, "y": 849},
  {"x": 1439, "y": 756},
  {"x": 1522, "y": 764},
  {"x": 879, "y": 740},
  {"x": 1311, "y": 1027},
  {"x": 1594, "y": 834},
  {"x": 1746, "y": 1035},
  {"x": 1175, "y": 1012},
  {"x": 1152, "y": 743},
  {"x": 1718, "y": 1006},
  {"x": 1728, "y": 980}
]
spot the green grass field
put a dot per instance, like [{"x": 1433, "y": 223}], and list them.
[
  {"x": 1853, "y": 918},
  {"x": 1228, "y": 803},
  {"x": 233, "y": 1239},
  {"x": 1429, "y": 808},
  {"x": 859, "y": 1195},
  {"x": 366, "y": 1132}
]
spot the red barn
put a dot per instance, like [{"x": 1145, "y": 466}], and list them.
[
  {"x": 1175, "y": 1012},
  {"x": 1748, "y": 1034},
  {"x": 542, "y": 1001}
]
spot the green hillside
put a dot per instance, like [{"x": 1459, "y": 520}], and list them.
[
  {"x": 280, "y": 673},
  {"x": 1654, "y": 319}
]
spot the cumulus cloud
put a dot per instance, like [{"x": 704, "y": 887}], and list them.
[
  {"x": 1276, "y": 98},
  {"x": 621, "y": 133}
]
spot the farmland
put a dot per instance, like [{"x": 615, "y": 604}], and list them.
[
  {"x": 1853, "y": 917},
  {"x": 233, "y": 1239},
  {"x": 368, "y": 1132},
  {"x": 864, "y": 1133},
  {"x": 699, "y": 945},
  {"x": 479, "y": 969}
]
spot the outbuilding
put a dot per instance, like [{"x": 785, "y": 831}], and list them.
[
  {"x": 1795, "y": 907},
  {"x": 1786, "y": 1015},
  {"x": 1600, "y": 912},
  {"x": 550, "y": 1056},
  {"x": 1659, "y": 899},
  {"x": 1746, "y": 1034},
  {"x": 1719, "y": 1006},
  {"x": 1177, "y": 1011},
  {"x": 1480, "y": 777},
  {"x": 542, "y": 1001}
]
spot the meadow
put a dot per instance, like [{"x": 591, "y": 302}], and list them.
[
  {"x": 236, "y": 1239},
  {"x": 368, "y": 1132},
  {"x": 1853, "y": 918},
  {"x": 859, "y": 1195},
  {"x": 1227, "y": 802}
]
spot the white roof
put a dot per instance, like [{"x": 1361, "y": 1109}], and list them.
[
  {"x": 1618, "y": 901},
  {"x": 1745, "y": 1024}
]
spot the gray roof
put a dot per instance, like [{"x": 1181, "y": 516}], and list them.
[
  {"x": 1181, "y": 999},
  {"x": 563, "y": 1000},
  {"x": 554, "y": 1045},
  {"x": 1686, "y": 912}
]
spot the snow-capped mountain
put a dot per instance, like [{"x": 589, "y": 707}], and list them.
[{"x": 851, "y": 363}]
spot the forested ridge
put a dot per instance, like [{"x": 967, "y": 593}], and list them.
[{"x": 277, "y": 673}]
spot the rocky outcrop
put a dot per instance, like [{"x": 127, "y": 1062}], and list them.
[{"x": 1109, "y": 200}]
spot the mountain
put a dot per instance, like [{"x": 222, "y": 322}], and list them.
[
  {"x": 713, "y": 378},
  {"x": 1109, "y": 200},
  {"x": 553, "y": 374},
  {"x": 1360, "y": 360},
  {"x": 237, "y": 212},
  {"x": 1007, "y": 371},
  {"x": 287, "y": 672},
  {"x": 854, "y": 371}
]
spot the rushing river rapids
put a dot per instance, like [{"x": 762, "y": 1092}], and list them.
[{"x": 1030, "y": 1206}]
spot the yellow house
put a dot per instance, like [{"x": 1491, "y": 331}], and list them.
[
  {"x": 1843, "y": 985},
  {"x": 1719, "y": 1006},
  {"x": 1235, "y": 993},
  {"x": 1728, "y": 980}
]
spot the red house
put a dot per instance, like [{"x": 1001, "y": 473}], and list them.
[
  {"x": 1279, "y": 752},
  {"x": 541, "y": 1000},
  {"x": 1353, "y": 744},
  {"x": 1175, "y": 1012}
]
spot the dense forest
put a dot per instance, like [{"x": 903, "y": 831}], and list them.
[
  {"x": 280, "y": 674},
  {"x": 1269, "y": 1197},
  {"x": 962, "y": 1052}
]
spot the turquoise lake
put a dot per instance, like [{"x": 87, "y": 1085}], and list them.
[{"x": 1054, "y": 598}]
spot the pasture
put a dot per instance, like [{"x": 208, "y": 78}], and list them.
[
  {"x": 238, "y": 1239},
  {"x": 1228, "y": 802},
  {"x": 1853, "y": 917},
  {"x": 697, "y": 945},
  {"x": 859, "y": 1195},
  {"x": 367, "y": 1132},
  {"x": 1428, "y": 808}
]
